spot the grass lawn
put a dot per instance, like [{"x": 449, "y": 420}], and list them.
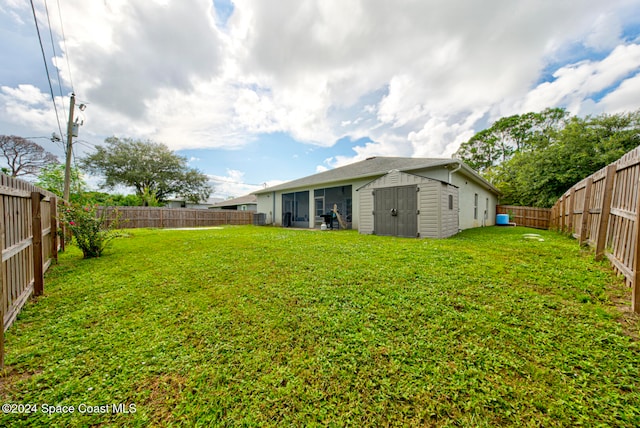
[{"x": 272, "y": 327}]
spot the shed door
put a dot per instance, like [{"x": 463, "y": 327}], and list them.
[{"x": 395, "y": 211}]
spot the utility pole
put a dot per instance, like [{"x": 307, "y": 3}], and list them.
[{"x": 67, "y": 168}]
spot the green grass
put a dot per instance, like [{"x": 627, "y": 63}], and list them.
[{"x": 272, "y": 327}]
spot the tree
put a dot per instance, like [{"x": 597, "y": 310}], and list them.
[
  {"x": 149, "y": 168},
  {"x": 109, "y": 200},
  {"x": 51, "y": 178},
  {"x": 555, "y": 159},
  {"x": 23, "y": 157},
  {"x": 510, "y": 135}
]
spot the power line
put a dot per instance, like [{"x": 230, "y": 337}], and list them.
[
  {"x": 54, "y": 140},
  {"x": 53, "y": 48},
  {"x": 64, "y": 41},
  {"x": 46, "y": 67},
  {"x": 220, "y": 180},
  {"x": 85, "y": 143}
]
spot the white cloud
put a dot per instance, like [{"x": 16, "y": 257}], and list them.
[
  {"x": 232, "y": 185},
  {"x": 624, "y": 98},
  {"x": 606, "y": 32},
  {"x": 28, "y": 106},
  {"x": 415, "y": 77},
  {"x": 575, "y": 83}
]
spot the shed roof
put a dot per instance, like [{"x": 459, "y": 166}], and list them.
[
  {"x": 373, "y": 167},
  {"x": 395, "y": 171}
]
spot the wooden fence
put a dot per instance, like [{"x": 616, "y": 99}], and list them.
[
  {"x": 28, "y": 240},
  {"x": 537, "y": 218},
  {"x": 602, "y": 211},
  {"x": 137, "y": 217}
]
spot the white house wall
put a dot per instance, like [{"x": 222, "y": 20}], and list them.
[
  {"x": 265, "y": 205},
  {"x": 467, "y": 189}
]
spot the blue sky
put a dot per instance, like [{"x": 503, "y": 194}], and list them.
[{"x": 256, "y": 93}]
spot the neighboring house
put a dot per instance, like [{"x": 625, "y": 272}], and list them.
[
  {"x": 243, "y": 203},
  {"x": 387, "y": 196},
  {"x": 181, "y": 203}
]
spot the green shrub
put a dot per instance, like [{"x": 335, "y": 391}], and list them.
[{"x": 90, "y": 230}]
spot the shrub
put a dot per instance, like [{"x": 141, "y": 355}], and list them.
[{"x": 90, "y": 230}]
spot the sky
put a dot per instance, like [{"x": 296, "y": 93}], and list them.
[{"x": 255, "y": 93}]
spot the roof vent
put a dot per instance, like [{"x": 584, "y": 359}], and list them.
[{"x": 372, "y": 157}]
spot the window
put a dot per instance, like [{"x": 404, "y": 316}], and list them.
[
  {"x": 475, "y": 206},
  {"x": 450, "y": 202}
]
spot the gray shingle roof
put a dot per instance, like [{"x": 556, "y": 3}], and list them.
[
  {"x": 371, "y": 167},
  {"x": 242, "y": 200}
]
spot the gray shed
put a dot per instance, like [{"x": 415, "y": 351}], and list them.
[{"x": 409, "y": 205}]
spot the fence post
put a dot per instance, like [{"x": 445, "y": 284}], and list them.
[
  {"x": 562, "y": 212},
  {"x": 585, "y": 211},
  {"x": 36, "y": 230},
  {"x": 572, "y": 208},
  {"x": 3, "y": 282},
  {"x": 63, "y": 231},
  {"x": 603, "y": 225},
  {"x": 53, "y": 206},
  {"x": 635, "y": 283}
]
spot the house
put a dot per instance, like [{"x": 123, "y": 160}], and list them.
[
  {"x": 183, "y": 203},
  {"x": 243, "y": 203},
  {"x": 387, "y": 195}
]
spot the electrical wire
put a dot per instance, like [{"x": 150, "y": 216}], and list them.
[
  {"x": 220, "y": 180},
  {"x": 85, "y": 143},
  {"x": 53, "y": 48},
  {"x": 46, "y": 67},
  {"x": 64, "y": 42}
]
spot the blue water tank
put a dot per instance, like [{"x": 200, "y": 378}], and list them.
[{"x": 502, "y": 219}]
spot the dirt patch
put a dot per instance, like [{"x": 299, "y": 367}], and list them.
[
  {"x": 9, "y": 378},
  {"x": 629, "y": 320},
  {"x": 165, "y": 392}
]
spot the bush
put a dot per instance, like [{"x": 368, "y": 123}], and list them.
[{"x": 90, "y": 230}]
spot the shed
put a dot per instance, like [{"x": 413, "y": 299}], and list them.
[{"x": 404, "y": 204}]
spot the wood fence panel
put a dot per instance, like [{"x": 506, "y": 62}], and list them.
[
  {"x": 609, "y": 217},
  {"x": 28, "y": 229},
  {"x": 577, "y": 208},
  {"x": 595, "y": 207},
  {"x": 4, "y": 282},
  {"x": 526, "y": 216},
  {"x": 160, "y": 217}
]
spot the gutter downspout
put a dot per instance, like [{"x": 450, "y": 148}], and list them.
[{"x": 453, "y": 171}]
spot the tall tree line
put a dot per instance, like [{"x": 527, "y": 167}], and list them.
[{"x": 534, "y": 158}]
